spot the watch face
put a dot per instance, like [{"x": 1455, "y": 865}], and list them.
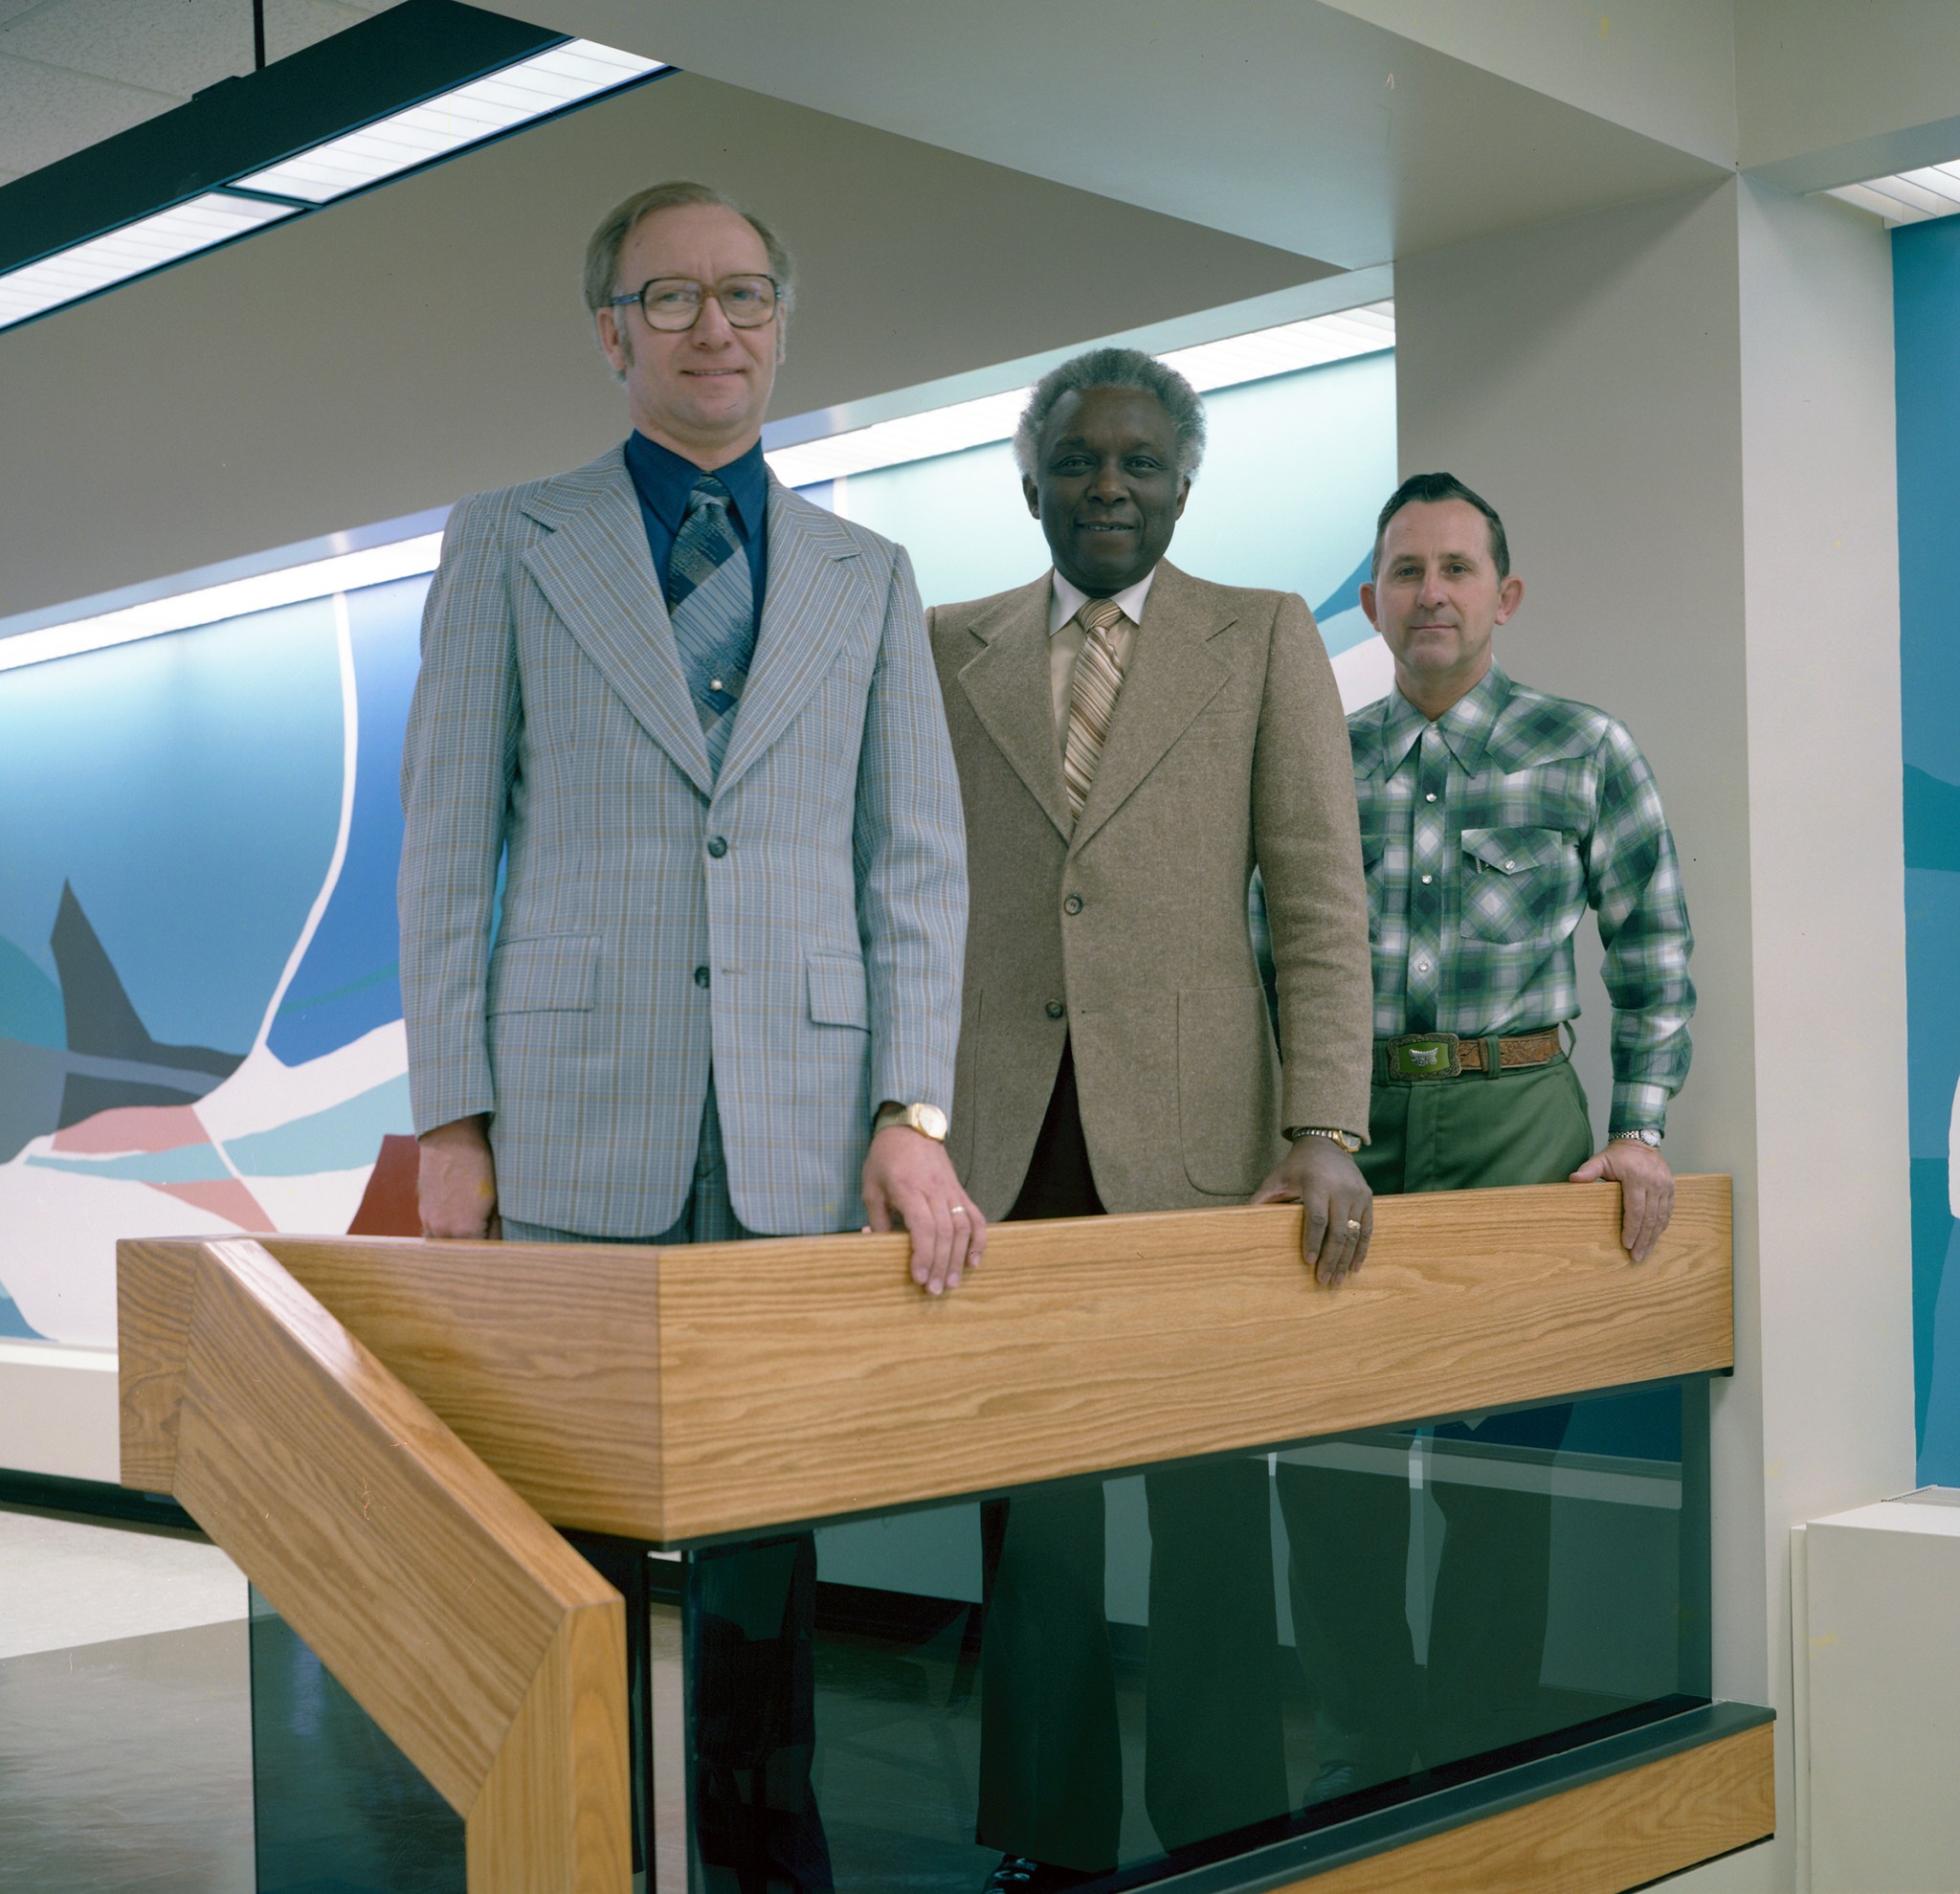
[{"x": 930, "y": 1119}]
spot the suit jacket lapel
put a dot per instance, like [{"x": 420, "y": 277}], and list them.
[
  {"x": 596, "y": 572},
  {"x": 1008, "y": 685},
  {"x": 807, "y": 609},
  {"x": 1171, "y": 676}
]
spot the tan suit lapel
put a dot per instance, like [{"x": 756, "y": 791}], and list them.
[
  {"x": 1008, "y": 685},
  {"x": 598, "y": 575},
  {"x": 1171, "y": 677}
]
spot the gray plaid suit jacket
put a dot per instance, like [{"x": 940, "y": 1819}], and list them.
[{"x": 798, "y": 921}]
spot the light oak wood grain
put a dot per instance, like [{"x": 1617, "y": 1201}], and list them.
[
  {"x": 726, "y": 1387},
  {"x": 544, "y": 1360},
  {"x": 802, "y": 1379},
  {"x": 491, "y": 1654},
  {"x": 155, "y": 1289},
  {"x": 1603, "y": 1838}
]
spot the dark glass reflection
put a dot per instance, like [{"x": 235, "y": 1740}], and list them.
[{"x": 1131, "y": 1675}]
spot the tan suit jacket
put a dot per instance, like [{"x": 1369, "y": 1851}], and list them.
[{"x": 1126, "y": 934}]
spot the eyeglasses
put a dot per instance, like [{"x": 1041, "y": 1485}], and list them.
[{"x": 675, "y": 302}]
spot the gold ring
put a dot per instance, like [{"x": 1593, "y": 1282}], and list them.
[{"x": 960, "y": 1210}]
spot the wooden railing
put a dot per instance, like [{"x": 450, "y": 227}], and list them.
[
  {"x": 491, "y": 1654},
  {"x": 378, "y": 1431}
]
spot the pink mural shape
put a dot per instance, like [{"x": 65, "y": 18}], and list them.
[
  {"x": 133, "y": 1127},
  {"x": 222, "y": 1196}
]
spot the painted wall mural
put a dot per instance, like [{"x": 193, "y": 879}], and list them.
[
  {"x": 1926, "y": 292},
  {"x": 200, "y": 1020},
  {"x": 200, "y": 1010}
]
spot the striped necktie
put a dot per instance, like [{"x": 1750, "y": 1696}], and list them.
[
  {"x": 711, "y": 605},
  {"x": 1098, "y": 677}
]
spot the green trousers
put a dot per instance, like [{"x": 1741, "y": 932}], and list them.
[{"x": 1349, "y": 1531}]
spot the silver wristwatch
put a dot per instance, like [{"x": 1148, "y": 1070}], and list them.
[{"x": 1644, "y": 1135}]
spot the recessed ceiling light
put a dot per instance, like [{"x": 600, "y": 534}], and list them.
[
  {"x": 1907, "y": 197},
  {"x": 1211, "y": 364},
  {"x": 235, "y": 598}
]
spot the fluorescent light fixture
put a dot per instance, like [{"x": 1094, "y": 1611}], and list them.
[
  {"x": 1211, "y": 364},
  {"x": 533, "y": 88},
  {"x": 1909, "y": 197},
  {"x": 210, "y": 605},
  {"x": 133, "y": 250},
  {"x": 536, "y": 85}
]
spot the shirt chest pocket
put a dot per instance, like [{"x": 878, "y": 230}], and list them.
[{"x": 1518, "y": 884}]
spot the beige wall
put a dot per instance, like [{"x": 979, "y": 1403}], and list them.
[
  {"x": 1829, "y": 93},
  {"x": 1684, "y": 411},
  {"x": 1300, "y": 124},
  {"x": 428, "y": 340},
  {"x": 1663, "y": 67}
]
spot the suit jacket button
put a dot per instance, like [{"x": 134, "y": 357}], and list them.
[
  {"x": 1073, "y": 905},
  {"x": 701, "y": 976},
  {"x": 1055, "y": 1009},
  {"x": 718, "y": 846}
]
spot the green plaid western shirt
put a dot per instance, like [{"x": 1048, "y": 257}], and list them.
[{"x": 1486, "y": 835}]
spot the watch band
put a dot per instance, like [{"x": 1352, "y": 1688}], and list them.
[
  {"x": 928, "y": 1119},
  {"x": 1644, "y": 1134},
  {"x": 1347, "y": 1140}
]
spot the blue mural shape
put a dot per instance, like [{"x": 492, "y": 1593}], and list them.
[
  {"x": 1926, "y": 292},
  {"x": 350, "y": 981}
]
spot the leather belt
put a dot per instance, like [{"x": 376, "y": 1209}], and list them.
[{"x": 1419, "y": 1056}]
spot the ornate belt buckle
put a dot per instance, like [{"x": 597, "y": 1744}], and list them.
[{"x": 1425, "y": 1055}]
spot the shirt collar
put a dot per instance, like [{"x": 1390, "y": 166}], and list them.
[
  {"x": 1065, "y": 600},
  {"x": 1465, "y": 727},
  {"x": 664, "y": 478}
]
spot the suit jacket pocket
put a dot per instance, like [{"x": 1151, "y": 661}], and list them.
[
  {"x": 835, "y": 983},
  {"x": 543, "y": 974},
  {"x": 1225, "y": 1063}
]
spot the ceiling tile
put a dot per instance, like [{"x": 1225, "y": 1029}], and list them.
[
  {"x": 169, "y": 45},
  {"x": 47, "y": 113}
]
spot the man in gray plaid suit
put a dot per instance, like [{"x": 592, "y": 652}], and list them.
[{"x": 695, "y": 718}]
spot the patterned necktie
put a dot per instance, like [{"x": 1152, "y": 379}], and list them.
[
  {"x": 711, "y": 604},
  {"x": 1098, "y": 677}
]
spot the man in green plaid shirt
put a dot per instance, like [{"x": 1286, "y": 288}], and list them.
[{"x": 1492, "y": 817}]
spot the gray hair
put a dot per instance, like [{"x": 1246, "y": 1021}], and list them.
[
  {"x": 604, "y": 245},
  {"x": 1114, "y": 368}
]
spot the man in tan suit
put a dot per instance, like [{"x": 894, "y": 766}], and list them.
[{"x": 1131, "y": 743}]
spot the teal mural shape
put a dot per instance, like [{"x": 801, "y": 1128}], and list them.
[{"x": 1925, "y": 303}]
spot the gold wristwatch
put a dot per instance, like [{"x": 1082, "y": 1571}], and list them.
[
  {"x": 928, "y": 1119},
  {"x": 1347, "y": 1140}
]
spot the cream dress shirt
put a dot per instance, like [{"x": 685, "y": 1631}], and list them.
[{"x": 1066, "y": 638}]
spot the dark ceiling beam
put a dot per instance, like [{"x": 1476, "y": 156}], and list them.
[{"x": 240, "y": 125}]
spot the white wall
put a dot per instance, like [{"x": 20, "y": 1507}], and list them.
[{"x": 1684, "y": 411}]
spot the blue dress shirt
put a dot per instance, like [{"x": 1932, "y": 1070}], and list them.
[{"x": 663, "y": 480}]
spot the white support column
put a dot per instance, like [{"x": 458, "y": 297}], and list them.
[{"x": 1684, "y": 411}]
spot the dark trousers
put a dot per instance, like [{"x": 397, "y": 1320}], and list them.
[
  {"x": 750, "y": 1620},
  {"x": 1051, "y": 1760},
  {"x": 1349, "y": 1531}
]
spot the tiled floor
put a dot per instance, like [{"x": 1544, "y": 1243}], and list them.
[
  {"x": 126, "y": 1767},
  {"x": 67, "y": 1582},
  {"x": 125, "y": 1739}
]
